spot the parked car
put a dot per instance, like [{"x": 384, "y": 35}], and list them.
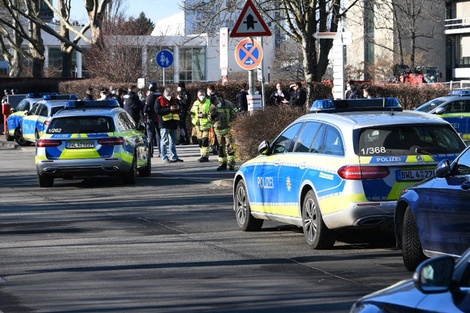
[
  {"x": 454, "y": 108},
  {"x": 344, "y": 169},
  {"x": 13, "y": 129},
  {"x": 439, "y": 285},
  {"x": 432, "y": 217},
  {"x": 92, "y": 138},
  {"x": 34, "y": 121}
]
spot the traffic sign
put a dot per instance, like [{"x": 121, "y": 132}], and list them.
[
  {"x": 250, "y": 23},
  {"x": 248, "y": 54},
  {"x": 164, "y": 58}
]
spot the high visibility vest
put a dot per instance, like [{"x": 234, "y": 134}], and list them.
[
  {"x": 175, "y": 115},
  {"x": 202, "y": 123}
]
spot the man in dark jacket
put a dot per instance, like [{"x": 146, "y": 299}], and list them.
[
  {"x": 153, "y": 131},
  {"x": 299, "y": 96},
  {"x": 133, "y": 105},
  {"x": 183, "y": 99}
]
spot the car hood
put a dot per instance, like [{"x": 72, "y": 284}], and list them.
[{"x": 403, "y": 293}]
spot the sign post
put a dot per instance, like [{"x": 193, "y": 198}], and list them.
[
  {"x": 249, "y": 53},
  {"x": 164, "y": 59}
]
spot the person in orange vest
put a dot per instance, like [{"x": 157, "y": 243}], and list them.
[{"x": 168, "y": 118}]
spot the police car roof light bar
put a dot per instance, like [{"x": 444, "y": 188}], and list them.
[
  {"x": 91, "y": 104},
  {"x": 60, "y": 97},
  {"x": 355, "y": 105}
]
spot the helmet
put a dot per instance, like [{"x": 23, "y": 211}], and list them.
[{"x": 153, "y": 86}]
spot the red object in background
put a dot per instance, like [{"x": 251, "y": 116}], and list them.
[{"x": 6, "y": 112}]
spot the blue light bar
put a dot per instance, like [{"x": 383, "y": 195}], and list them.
[
  {"x": 60, "y": 97},
  {"x": 356, "y": 105},
  {"x": 40, "y": 95},
  {"x": 91, "y": 104},
  {"x": 459, "y": 92}
]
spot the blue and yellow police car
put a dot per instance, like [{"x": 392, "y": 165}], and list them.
[
  {"x": 454, "y": 108},
  {"x": 342, "y": 169},
  {"x": 34, "y": 121},
  {"x": 92, "y": 138}
]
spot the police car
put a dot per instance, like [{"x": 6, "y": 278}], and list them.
[
  {"x": 343, "y": 169},
  {"x": 34, "y": 121},
  {"x": 92, "y": 138},
  {"x": 13, "y": 129},
  {"x": 454, "y": 108}
]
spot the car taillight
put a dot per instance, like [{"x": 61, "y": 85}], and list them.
[
  {"x": 43, "y": 143},
  {"x": 355, "y": 172},
  {"x": 113, "y": 141}
]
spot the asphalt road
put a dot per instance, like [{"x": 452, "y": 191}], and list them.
[{"x": 168, "y": 244}]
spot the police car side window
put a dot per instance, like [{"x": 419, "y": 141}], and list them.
[
  {"x": 284, "y": 142},
  {"x": 43, "y": 110},
  {"x": 333, "y": 144},
  {"x": 304, "y": 141}
]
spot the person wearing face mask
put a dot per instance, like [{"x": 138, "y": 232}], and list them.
[
  {"x": 222, "y": 114},
  {"x": 184, "y": 100},
  {"x": 200, "y": 119},
  {"x": 168, "y": 118}
]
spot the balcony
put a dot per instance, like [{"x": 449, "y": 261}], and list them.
[{"x": 457, "y": 26}]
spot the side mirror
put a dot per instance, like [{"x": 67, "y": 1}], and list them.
[
  {"x": 440, "y": 110},
  {"x": 264, "y": 148},
  {"x": 442, "y": 169},
  {"x": 435, "y": 275}
]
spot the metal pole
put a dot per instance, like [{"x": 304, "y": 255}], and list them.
[{"x": 263, "y": 99}]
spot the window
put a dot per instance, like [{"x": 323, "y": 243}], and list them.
[
  {"x": 307, "y": 136},
  {"x": 284, "y": 142},
  {"x": 192, "y": 64},
  {"x": 82, "y": 124},
  {"x": 333, "y": 143}
]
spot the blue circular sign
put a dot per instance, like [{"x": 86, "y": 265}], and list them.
[{"x": 164, "y": 58}]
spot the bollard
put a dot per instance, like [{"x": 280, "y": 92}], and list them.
[{"x": 6, "y": 112}]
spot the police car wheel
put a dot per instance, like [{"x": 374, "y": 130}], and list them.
[
  {"x": 411, "y": 244},
  {"x": 317, "y": 235},
  {"x": 130, "y": 178},
  {"x": 245, "y": 220},
  {"x": 146, "y": 171},
  {"x": 19, "y": 137},
  {"x": 45, "y": 181}
]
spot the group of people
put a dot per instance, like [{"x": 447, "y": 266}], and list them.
[
  {"x": 296, "y": 96},
  {"x": 353, "y": 92},
  {"x": 165, "y": 116}
]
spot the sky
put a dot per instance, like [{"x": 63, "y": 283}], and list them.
[{"x": 153, "y": 9}]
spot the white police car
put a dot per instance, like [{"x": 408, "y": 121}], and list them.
[
  {"x": 92, "y": 138},
  {"x": 328, "y": 171}
]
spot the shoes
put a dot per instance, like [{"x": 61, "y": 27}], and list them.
[
  {"x": 222, "y": 167},
  {"x": 203, "y": 159},
  {"x": 166, "y": 161},
  {"x": 177, "y": 160}
]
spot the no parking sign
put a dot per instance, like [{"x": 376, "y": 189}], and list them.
[{"x": 248, "y": 54}]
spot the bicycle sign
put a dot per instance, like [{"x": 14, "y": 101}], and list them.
[{"x": 248, "y": 54}]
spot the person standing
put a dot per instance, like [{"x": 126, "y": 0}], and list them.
[
  {"x": 183, "y": 99},
  {"x": 299, "y": 96},
  {"x": 168, "y": 117},
  {"x": 133, "y": 105},
  {"x": 222, "y": 114},
  {"x": 89, "y": 94},
  {"x": 351, "y": 90},
  {"x": 279, "y": 96},
  {"x": 242, "y": 100},
  {"x": 153, "y": 131},
  {"x": 119, "y": 96},
  {"x": 200, "y": 119}
]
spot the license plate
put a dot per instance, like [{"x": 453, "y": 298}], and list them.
[
  {"x": 414, "y": 175},
  {"x": 80, "y": 144}
]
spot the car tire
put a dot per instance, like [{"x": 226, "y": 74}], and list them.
[
  {"x": 45, "y": 181},
  {"x": 19, "y": 137},
  {"x": 245, "y": 220},
  {"x": 316, "y": 233},
  {"x": 411, "y": 244},
  {"x": 130, "y": 178},
  {"x": 146, "y": 171},
  {"x": 8, "y": 137}
]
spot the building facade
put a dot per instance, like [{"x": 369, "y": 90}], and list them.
[{"x": 457, "y": 30}]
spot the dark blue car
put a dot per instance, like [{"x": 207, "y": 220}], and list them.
[
  {"x": 438, "y": 285},
  {"x": 433, "y": 216}
]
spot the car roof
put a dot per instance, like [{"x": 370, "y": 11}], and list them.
[
  {"x": 373, "y": 118},
  {"x": 88, "y": 112}
]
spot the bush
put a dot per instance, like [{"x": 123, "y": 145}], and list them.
[{"x": 249, "y": 130}]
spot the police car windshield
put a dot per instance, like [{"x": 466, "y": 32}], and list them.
[
  {"x": 430, "y": 105},
  {"x": 81, "y": 125},
  {"x": 408, "y": 140}
]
